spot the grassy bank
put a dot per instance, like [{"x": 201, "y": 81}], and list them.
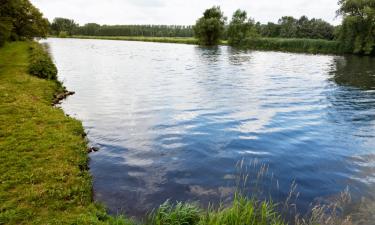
[
  {"x": 312, "y": 46},
  {"x": 43, "y": 160},
  {"x": 176, "y": 40}
]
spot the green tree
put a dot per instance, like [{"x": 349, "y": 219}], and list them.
[
  {"x": 26, "y": 20},
  {"x": 63, "y": 25},
  {"x": 270, "y": 30},
  {"x": 288, "y": 27},
  {"x": 241, "y": 28},
  {"x": 358, "y": 27},
  {"x": 209, "y": 28},
  {"x": 5, "y": 29}
]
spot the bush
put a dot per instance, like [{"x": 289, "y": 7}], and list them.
[
  {"x": 63, "y": 34},
  {"x": 41, "y": 64}
]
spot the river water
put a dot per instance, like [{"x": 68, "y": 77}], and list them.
[{"x": 173, "y": 121}]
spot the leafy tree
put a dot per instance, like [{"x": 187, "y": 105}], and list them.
[
  {"x": 288, "y": 27},
  {"x": 358, "y": 28},
  {"x": 241, "y": 28},
  {"x": 5, "y": 29},
  {"x": 93, "y": 29},
  {"x": 210, "y": 27},
  {"x": 270, "y": 30},
  {"x": 26, "y": 20},
  {"x": 63, "y": 25}
]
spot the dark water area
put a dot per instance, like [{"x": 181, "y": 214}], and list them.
[{"x": 173, "y": 121}]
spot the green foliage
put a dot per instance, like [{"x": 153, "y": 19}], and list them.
[
  {"x": 63, "y": 25},
  {"x": 27, "y": 21},
  {"x": 63, "y": 34},
  {"x": 179, "y": 214},
  {"x": 358, "y": 28},
  {"x": 5, "y": 29},
  {"x": 241, "y": 28},
  {"x": 209, "y": 28},
  {"x": 313, "y": 46},
  {"x": 93, "y": 29},
  {"x": 244, "y": 211},
  {"x": 289, "y": 27},
  {"x": 270, "y": 30},
  {"x": 41, "y": 64}
]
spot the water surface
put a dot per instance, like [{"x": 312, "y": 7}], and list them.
[{"x": 173, "y": 120}]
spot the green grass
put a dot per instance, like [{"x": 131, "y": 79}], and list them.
[
  {"x": 177, "y": 40},
  {"x": 43, "y": 160},
  {"x": 243, "y": 211}
]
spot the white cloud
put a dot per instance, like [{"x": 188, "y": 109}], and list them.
[{"x": 180, "y": 11}]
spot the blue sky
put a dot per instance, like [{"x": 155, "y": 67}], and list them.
[{"x": 183, "y": 12}]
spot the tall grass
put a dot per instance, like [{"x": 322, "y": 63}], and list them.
[
  {"x": 313, "y": 46},
  {"x": 243, "y": 210}
]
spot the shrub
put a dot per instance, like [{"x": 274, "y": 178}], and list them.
[
  {"x": 63, "y": 34},
  {"x": 41, "y": 64}
]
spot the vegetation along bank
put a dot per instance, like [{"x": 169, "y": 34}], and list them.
[{"x": 356, "y": 34}]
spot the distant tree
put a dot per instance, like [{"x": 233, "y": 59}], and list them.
[
  {"x": 93, "y": 29},
  {"x": 90, "y": 29},
  {"x": 241, "y": 28},
  {"x": 358, "y": 28},
  {"x": 63, "y": 25},
  {"x": 270, "y": 30},
  {"x": 209, "y": 28},
  {"x": 26, "y": 20},
  {"x": 5, "y": 29},
  {"x": 288, "y": 27}
]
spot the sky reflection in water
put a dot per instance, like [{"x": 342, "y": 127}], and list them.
[{"x": 173, "y": 120}]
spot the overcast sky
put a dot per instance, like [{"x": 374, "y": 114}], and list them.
[{"x": 184, "y": 12}]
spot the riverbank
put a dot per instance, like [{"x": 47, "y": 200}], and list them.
[
  {"x": 176, "y": 40},
  {"x": 295, "y": 45},
  {"x": 44, "y": 176}
]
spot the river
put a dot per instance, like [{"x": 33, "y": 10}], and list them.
[{"x": 174, "y": 121}]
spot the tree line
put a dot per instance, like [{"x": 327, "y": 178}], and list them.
[
  {"x": 64, "y": 26},
  {"x": 287, "y": 27},
  {"x": 19, "y": 20},
  {"x": 356, "y": 34}
]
